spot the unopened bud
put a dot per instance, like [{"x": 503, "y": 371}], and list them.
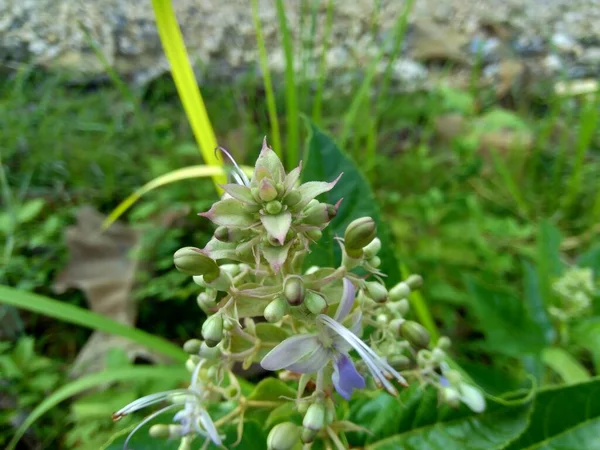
[
  {"x": 400, "y": 291},
  {"x": 450, "y": 396},
  {"x": 222, "y": 234},
  {"x": 283, "y": 436},
  {"x": 293, "y": 290},
  {"x": 209, "y": 353},
  {"x": 414, "y": 281},
  {"x": 308, "y": 435},
  {"x": 292, "y": 198},
  {"x": 267, "y": 190},
  {"x": 192, "y": 346},
  {"x": 375, "y": 261},
  {"x": 212, "y": 330},
  {"x": 424, "y": 358},
  {"x": 315, "y": 303},
  {"x": 231, "y": 269},
  {"x": 371, "y": 249},
  {"x": 415, "y": 333},
  {"x": 275, "y": 310},
  {"x": 191, "y": 261},
  {"x": 438, "y": 355},
  {"x": 444, "y": 343},
  {"x": 191, "y": 363},
  {"x": 395, "y": 325},
  {"x": 359, "y": 234},
  {"x": 314, "y": 234},
  {"x": 377, "y": 291},
  {"x": 314, "y": 419},
  {"x": 316, "y": 214},
  {"x": 205, "y": 301},
  {"x": 400, "y": 307},
  {"x": 273, "y": 207},
  {"x": 161, "y": 431},
  {"x": 400, "y": 362}
]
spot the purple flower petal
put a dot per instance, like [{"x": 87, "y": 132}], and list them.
[
  {"x": 345, "y": 377},
  {"x": 290, "y": 351},
  {"x": 346, "y": 302}
]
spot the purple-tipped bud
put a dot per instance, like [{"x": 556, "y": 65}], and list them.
[
  {"x": 415, "y": 334},
  {"x": 191, "y": 261},
  {"x": 267, "y": 191},
  {"x": 359, "y": 234},
  {"x": 283, "y": 436},
  {"x": 293, "y": 290}
]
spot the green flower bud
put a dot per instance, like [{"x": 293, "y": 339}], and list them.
[
  {"x": 292, "y": 198},
  {"x": 275, "y": 310},
  {"x": 212, "y": 330},
  {"x": 209, "y": 353},
  {"x": 359, "y": 234},
  {"x": 206, "y": 301},
  {"x": 400, "y": 362},
  {"x": 192, "y": 346},
  {"x": 316, "y": 214},
  {"x": 315, "y": 303},
  {"x": 160, "y": 431},
  {"x": 371, "y": 249},
  {"x": 283, "y": 436},
  {"x": 450, "y": 396},
  {"x": 444, "y": 343},
  {"x": 308, "y": 435},
  {"x": 329, "y": 411},
  {"x": 267, "y": 191},
  {"x": 293, "y": 290},
  {"x": 314, "y": 234},
  {"x": 231, "y": 269},
  {"x": 375, "y": 261},
  {"x": 377, "y": 291},
  {"x": 400, "y": 307},
  {"x": 414, "y": 281},
  {"x": 222, "y": 234},
  {"x": 453, "y": 377},
  {"x": 191, "y": 363},
  {"x": 415, "y": 333},
  {"x": 395, "y": 325},
  {"x": 191, "y": 261},
  {"x": 438, "y": 355},
  {"x": 314, "y": 419},
  {"x": 400, "y": 291},
  {"x": 273, "y": 207},
  {"x": 302, "y": 407},
  {"x": 424, "y": 358}
]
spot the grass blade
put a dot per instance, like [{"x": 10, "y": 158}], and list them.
[
  {"x": 264, "y": 67},
  {"x": 291, "y": 97},
  {"x": 365, "y": 87},
  {"x": 83, "y": 317},
  {"x": 186, "y": 84},
  {"x": 97, "y": 379},
  {"x": 317, "y": 112}
]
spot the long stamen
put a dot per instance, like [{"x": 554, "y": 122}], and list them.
[
  {"x": 240, "y": 173},
  {"x": 148, "y": 400},
  {"x": 145, "y": 421}
]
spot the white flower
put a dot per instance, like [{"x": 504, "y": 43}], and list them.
[{"x": 310, "y": 353}]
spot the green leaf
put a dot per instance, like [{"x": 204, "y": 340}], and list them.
[
  {"x": 503, "y": 319},
  {"x": 270, "y": 335},
  {"x": 535, "y": 303},
  {"x": 324, "y": 162},
  {"x": 548, "y": 261},
  {"x": 284, "y": 413},
  {"x": 90, "y": 381},
  {"x": 591, "y": 259},
  {"x": 586, "y": 334},
  {"x": 79, "y": 316},
  {"x": 29, "y": 210},
  {"x": 415, "y": 421},
  {"x": 561, "y": 362},
  {"x": 272, "y": 389},
  {"x": 565, "y": 417}
]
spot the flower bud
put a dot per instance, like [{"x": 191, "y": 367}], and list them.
[
  {"x": 209, "y": 353},
  {"x": 314, "y": 234},
  {"x": 375, "y": 261},
  {"x": 315, "y": 303},
  {"x": 415, "y": 333},
  {"x": 314, "y": 419},
  {"x": 191, "y": 363},
  {"x": 377, "y": 291},
  {"x": 371, "y": 249},
  {"x": 292, "y": 198},
  {"x": 191, "y": 261},
  {"x": 414, "y": 281},
  {"x": 400, "y": 291},
  {"x": 267, "y": 191},
  {"x": 438, "y": 355},
  {"x": 222, "y": 234},
  {"x": 359, "y": 234},
  {"x": 293, "y": 290},
  {"x": 316, "y": 214},
  {"x": 161, "y": 431},
  {"x": 283, "y": 436},
  {"x": 205, "y": 301},
  {"x": 424, "y": 357},
  {"x": 275, "y": 310},
  {"x": 273, "y": 207},
  {"x": 192, "y": 346},
  {"x": 395, "y": 325},
  {"x": 444, "y": 343},
  {"x": 212, "y": 330},
  {"x": 401, "y": 307},
  {"x": 450, "y": 396},
  {"x": 400, "y": 362},
  {"x": 308, "y": 435}
]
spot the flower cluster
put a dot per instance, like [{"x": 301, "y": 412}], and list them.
[
  {"x": 573, "y": 291},
  {"x": 333, "y": 330}
]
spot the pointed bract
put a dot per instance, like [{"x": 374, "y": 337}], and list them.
[
  {"x": 278, "y": 225},
  {"x": 276, "y": 256},
  {"x": 239, "y": 192},
  {"x": 230, "y": 213},
  {"x": 312, "y": 189},
  {"x": 269, "y": 160}
]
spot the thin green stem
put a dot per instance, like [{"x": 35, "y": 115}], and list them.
[{"x": 317, "y": 104}]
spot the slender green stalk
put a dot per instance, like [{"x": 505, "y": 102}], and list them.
[
  {"x": 264, "y": 67},
  {"x": 317, "y": 111},
  {"x": 186, "y": 84},
  {"x": 363, "y": 92},
  {"x": 292, "y": 113}
]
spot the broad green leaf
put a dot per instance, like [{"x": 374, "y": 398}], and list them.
[
  {"x": 548, "y": 261},
  {"x": 535, "y": 303},
  {"x": 82, "y": 384},
  {"x": 284, "y": 413},
  {"x": 561, "y": 362},
  {"x": 503, "y": 319},
  {"x": 563, "y": 415},
  {"x": 415, "y": 420},
  {"x": 324, "y": 162},
  {"x": 79, "y": 316},
  {"x": 591, "y": 259},
  {"x": 186, "y": 173},
  {"x": 586, "y": 334},
  {"x": 272, "y": 389}
]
